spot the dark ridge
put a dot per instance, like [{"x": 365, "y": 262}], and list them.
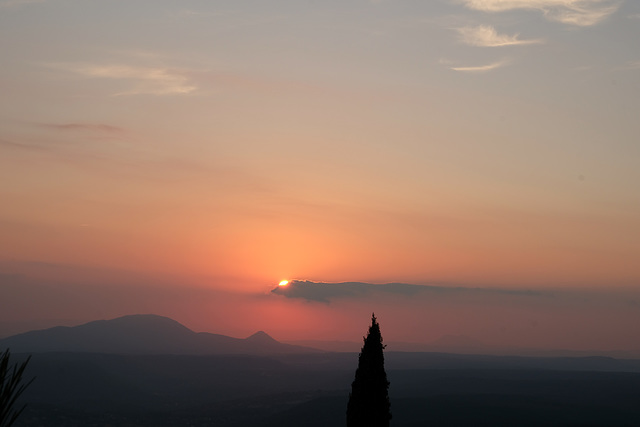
[{"x": 142, "y": 334}]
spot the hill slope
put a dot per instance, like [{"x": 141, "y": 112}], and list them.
[{"x": 143, "y": 334}]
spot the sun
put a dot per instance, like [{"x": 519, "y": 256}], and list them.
[{"x": 283, "y": 283}]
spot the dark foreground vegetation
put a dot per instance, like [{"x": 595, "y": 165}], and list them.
[
  {"x": 11, "y": 387},
  {"x": 74, "y": 389}
]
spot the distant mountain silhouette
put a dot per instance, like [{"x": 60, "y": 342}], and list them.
[{"x": 143, "y": 334}]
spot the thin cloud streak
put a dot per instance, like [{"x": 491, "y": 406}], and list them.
[
  {"x": 18, "y": 146},
  {"x": 327, "y": 292},
  {"x": 145, "y": 80},
  {"x": 91, "y": 127},
  {"x": 581, "y": 13},
  {"x": 631, "y": 65},
  {"x": 487, "y": 36},
  {"x": 481, "y": 68}
]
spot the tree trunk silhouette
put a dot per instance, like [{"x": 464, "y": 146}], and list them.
[{"x": 369, "y": 398}]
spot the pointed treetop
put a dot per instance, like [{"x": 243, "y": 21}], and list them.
[
  {"x": 369, "y": 399},
  {"x": 373, "y": 335}
]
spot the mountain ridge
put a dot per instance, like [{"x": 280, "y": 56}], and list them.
[{"x": 144, "y": 334}]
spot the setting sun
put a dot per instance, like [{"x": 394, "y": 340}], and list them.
[{"x": 283, "y": 283}]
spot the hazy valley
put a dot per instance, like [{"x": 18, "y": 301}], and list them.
[{"x": 152, "y": 371}]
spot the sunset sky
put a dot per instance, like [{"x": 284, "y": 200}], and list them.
[{"x": 184, "y": 157}]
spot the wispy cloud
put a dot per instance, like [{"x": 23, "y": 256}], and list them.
[
  {"x": 20, "y": 146},
  {"x": 91, "y": 127},
  {"x": 143, "y": 72},
  {"x": 482, "y": 68},
  {"x": 571, "y": 12},
  {"x": 144, "y": 80},
  {"x": 487, "y": 36},
  {"x": 631, "y": 65},
  {"x": 635, "y": 65}
]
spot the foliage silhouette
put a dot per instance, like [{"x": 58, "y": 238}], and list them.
[
  {"x": 11, "y": 387},
  {"x": 369, "y": 398}
]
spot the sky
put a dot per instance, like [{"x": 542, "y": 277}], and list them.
[{"x": 184, "y": 157}]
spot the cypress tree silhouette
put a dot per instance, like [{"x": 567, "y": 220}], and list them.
[{"x": 369, "y": 398}]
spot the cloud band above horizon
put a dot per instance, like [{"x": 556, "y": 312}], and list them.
[{"x": 327, "y": 292}]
